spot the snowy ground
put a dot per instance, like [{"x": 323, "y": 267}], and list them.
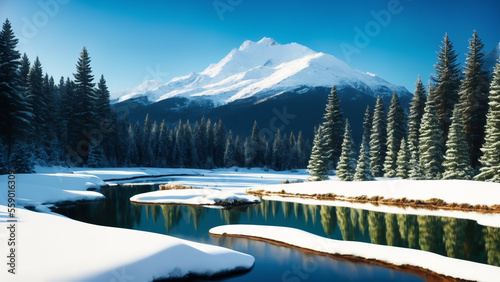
[
  {"x": 205, "y": 197},
  {"x": 79, "y": 251},
  {"x": 451, "y": 191},
  {"x": 47, "y": 188},
  {"x": 55, "y": 248},
  {"x": 394, "y": 255}
]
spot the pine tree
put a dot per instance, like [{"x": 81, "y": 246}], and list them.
[
  {"x": 417, "y": 107},
  {"x": 249, "y": 153},
  {"x": 378, "y": 139},
  {"x": 132, "y": 158},
  {"x": 431, "y": 141},
  {"x": 403, "y": 161},
  {"x": 229, "y": 153},
  {"x": 318, "y": 163},
  {"x": 278, "y": 153},
  {"x": 293, "y": 152},
  {"x": 363, "y": 171},
  {"x": 103, "y": 107},
  {"x": 346, "y": 166},
  {"x": 396, "y": 130},
  {"x": 446, "y": 85},
  {"x": 24, "y": 70},
  {"x": 97, "y": 157},
  {"x": 21, "y": 159},
  {"x": 258, "y": 146},
  {"x": 474, "y": 98},
  {"x": 163, "y": 145},
  {"x": 490, "y": 160},
  {"x": 145, "y": 143},
  {"x": 4, "y": 161},
  {"x": 416, "y": 172},
  {"x": 15, "y": 112},
  {"x": 333, "y": 126},
  {"x": 302, "y": 151},
  {"x": 457, "y": 161},
  {"x": 367, "y": 128},
  {"x": 219, "y": 143},
  {"x": 239, "y": 155},
  {"x": 38, "y": 99},
  {"x": 84, "y": 115}
]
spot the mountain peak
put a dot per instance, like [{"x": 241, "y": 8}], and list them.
[
  {"x": 264, "y": 42},
  {"x": 263, "y": 68}
]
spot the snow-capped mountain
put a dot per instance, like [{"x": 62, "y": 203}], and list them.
[{"x": 262, "y": 69}]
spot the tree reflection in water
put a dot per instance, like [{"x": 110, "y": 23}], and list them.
[{"x": 457, "y": 238}]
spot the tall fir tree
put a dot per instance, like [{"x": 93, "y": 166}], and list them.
[
  {"x": 367, "y": 128},
  {"x": 15, "y": 112},
  {"x": 396, "y": 131},
  {"x": 239, "y": 155},
  {"x": 416, "y": 172},
  {"x": 303, "y": 153},
  {"x": 103, "y": 107},
  {"x": 490, "y": 160},
  {"x": 21, "y": 158},
  {"x": 24, "y": 69},
  {"x": 346, "y": 166},
  {"x": 318, "y": 163},
  {"x": 219, "y": 143},
  {"x": 378, "y": 139},
  {"x": 474, "y": 98},
  {"x": 84, "y": 114},
  {"x": 258, "y": 146},
  {"x": 417, "y": 107},
  {"x": 457, "y": 161},
  {"x": 163, "y": 145},
  {"x": 38, "y": 99},
  {"x": 363, "y": 171},
  {"x": 278, "y": 152},
  {"x": 403, "y": 161},
  {"x": 431, "y": 141},
  {"x": 333, "y": 126},
  {"x": 446, "y": 83},
  {"x": 248, "y": 153},
  {"x": 229, "y": 152}
]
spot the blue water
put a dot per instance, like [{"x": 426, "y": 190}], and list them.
[{"x": 453, "y": 237}]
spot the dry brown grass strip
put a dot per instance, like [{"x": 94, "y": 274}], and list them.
[
  {"x": 175, "y": 187},
  {"x": 431, "y": 204}
]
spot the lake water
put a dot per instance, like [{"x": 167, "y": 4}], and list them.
[{"x": 458, "y": 238}]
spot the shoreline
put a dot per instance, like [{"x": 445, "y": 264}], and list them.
[
  {"x": 427, "y": 274},
  {"x": 431, "y": 204}
]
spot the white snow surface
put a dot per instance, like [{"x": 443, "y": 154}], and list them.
[
  {"x": 44, "y": 188},
  {"x": 264, "y": 68},
  {"x": 55, "y": 248},
  {"x": 450, "y": 191},
  {"x": 193, "y": 197},
  {"x": 395, "y": 255}
]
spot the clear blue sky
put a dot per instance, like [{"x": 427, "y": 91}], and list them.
[{"x": 130, "y": 41}]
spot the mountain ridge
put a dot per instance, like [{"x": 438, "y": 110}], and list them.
[{"x": 262, "y": 69}]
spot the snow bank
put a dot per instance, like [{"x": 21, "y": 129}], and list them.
[
  {"x": 395, "y": 255},
  {"x": 55, "y": 248},
  {"x": 194, "y": 197},
  {"x": 451, "y": 191},
  {"x": 39, "y": 188}
]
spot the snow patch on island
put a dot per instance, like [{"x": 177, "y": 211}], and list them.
[
  {"x": 394, "y": 255},
  {"x": 195, "y": 197}
]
